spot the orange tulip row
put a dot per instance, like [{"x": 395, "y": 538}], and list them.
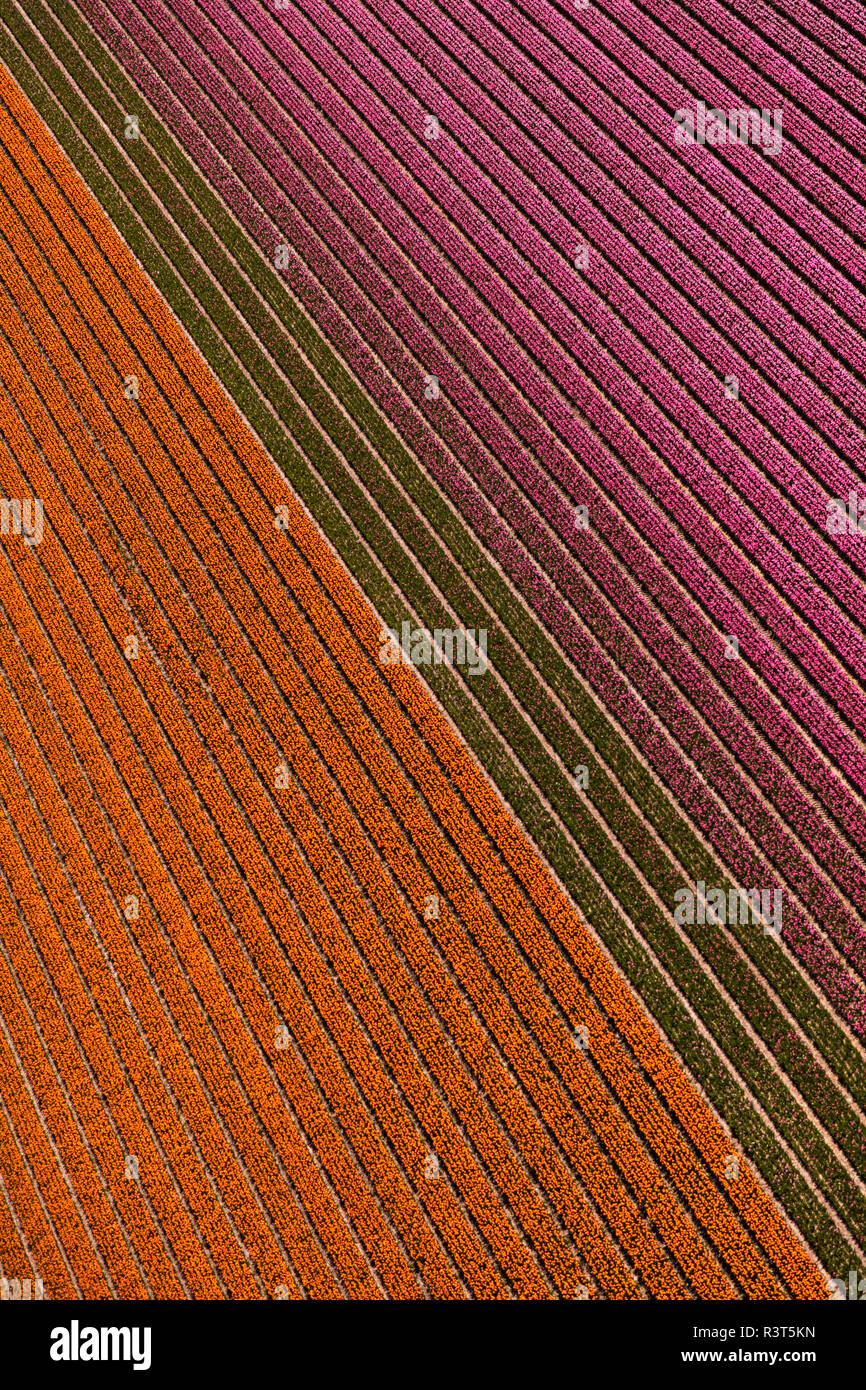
[
  {"x": 66, "y": 473},
  {"x": 55, "y": 1229},
  {"x": 135, "y": 1060},
  {"x": 16, "y": 1261},
  {"x": 548, "y": 1026},
  {"x": 196, "y": 760},
  {"x": 647, "y": 1263},
  {"x": 614, "y": 1200},
  {"x": 20, "y": 1272},
  {"x": 92, "y": 1148},
  {"x": 571, "y": 1281},
  {"x": 221, "y": 1080}
]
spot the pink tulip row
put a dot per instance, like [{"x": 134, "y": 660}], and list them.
[
  {"x": 806, "y": 750},
  {"x": 728, "y": 558},
  {"x": 747, "y": 61}
]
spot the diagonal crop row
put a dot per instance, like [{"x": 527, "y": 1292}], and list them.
[
  {"x": 293, "y": 1233},
  {"x": 838, "y": 984},
  {"x": 164, "y": 1045},
  {"x": 174, "y": 917},
  {"x": 56, "y": 1227},
  {"x": 18, "y": 1260}
]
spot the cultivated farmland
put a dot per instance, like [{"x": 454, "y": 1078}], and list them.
[{"x": 282, "y": 1013}]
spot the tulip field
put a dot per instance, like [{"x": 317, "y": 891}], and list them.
[{"x": 322, "y": 978}]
